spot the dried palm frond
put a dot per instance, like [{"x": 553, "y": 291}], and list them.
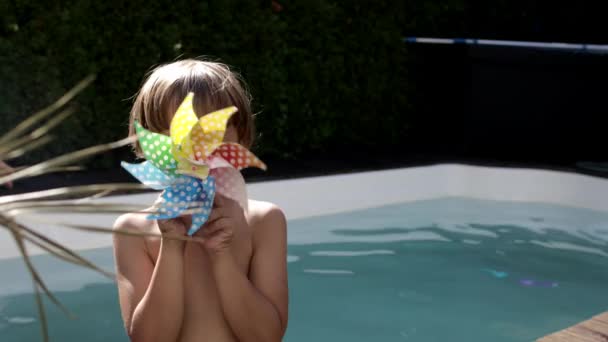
[
  {"x": 72, "y": 191},
  {"x": 43, "y": 167},
  {"x": 31, "y": 134},
  {"x": 130, "y": 232},
  {"x": 35, "y": 118}
]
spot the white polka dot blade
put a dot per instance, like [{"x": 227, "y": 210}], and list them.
[{"x": 229, "y": 182}]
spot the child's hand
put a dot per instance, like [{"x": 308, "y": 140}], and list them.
[
  {"x": 175, "y": 226},
  {"x": 226, "y": 217}
]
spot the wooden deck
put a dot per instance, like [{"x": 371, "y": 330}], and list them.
[{"x": 593, "y": 330}]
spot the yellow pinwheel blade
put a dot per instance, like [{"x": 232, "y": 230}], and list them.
[
  {"x": 190, "y": 168},
  {"x": 209, "y": 133},
  {"x": 182, "y": 123}
]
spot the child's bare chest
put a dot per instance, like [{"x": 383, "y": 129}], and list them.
[{"x": 203, "y": 315}]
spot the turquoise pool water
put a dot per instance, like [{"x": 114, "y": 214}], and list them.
[{"x": 450, "y": 269}]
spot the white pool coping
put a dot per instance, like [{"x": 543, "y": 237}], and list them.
[{"x": 315, "y": 196}]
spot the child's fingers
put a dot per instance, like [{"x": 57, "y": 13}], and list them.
[
  {"x": 176, "y": 224},
  {"x": 219, "y": 200},
  {"x": 217, "y": 213},
  {"x": 222, "y": 201},
  {"x": 217, "y": 225},
  {"x": 170, "y": 225},
  {"x": 212, "y": 239}
]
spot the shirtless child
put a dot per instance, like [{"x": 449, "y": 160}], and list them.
[{"x": 232, "y": 286}]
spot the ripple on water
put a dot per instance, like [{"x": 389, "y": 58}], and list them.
[
  {"x": 569, "y": 246},
  {"x": 331, "y": 272},
  {"x": 292, "y": 258},
  {"x": 20, "y": 320},
  {"x": 352, "y": 253}
]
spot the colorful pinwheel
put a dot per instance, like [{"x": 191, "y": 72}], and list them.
[{"x": 192, "y": 164}]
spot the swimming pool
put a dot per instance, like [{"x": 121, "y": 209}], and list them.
[{"x": 444, "y": 269}]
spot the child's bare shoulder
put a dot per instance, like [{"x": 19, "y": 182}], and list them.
[
  {"x": 266, "y": 215},
  {"x": 262, "y": 210},
  {"x": 134, "y": 221}
]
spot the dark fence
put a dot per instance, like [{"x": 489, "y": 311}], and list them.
[{"x": 510, "y": 105}]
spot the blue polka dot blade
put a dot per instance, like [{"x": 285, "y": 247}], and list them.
[
  {"x": 149, "y": 175},
  {"x": 181, "y": 193},
  {"x": 206, "y": 199},
  {"x": 178, "y": 197},
  {"x": 184, "y": 194}
]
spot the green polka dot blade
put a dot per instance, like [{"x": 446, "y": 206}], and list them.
[{"x": 157, "y": 149}]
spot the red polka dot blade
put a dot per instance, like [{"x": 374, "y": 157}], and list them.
[{"x": 238, "y": 156}]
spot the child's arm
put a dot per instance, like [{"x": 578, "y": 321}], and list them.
[
  {"x": 255, "y": 308},
  {"x": 151, "y": 297}
]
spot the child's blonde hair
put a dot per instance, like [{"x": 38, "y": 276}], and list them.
[{"x": 214, "y": 86}]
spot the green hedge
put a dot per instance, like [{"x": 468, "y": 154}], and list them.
[{"x": 325, "y": 75}]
